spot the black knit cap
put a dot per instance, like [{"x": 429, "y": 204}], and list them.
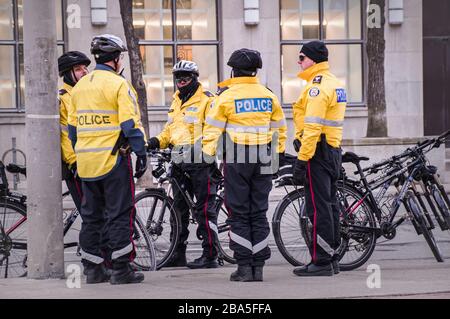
[
  {"x": 316, "y": 51},
  {"x": 245, "y": 59}
]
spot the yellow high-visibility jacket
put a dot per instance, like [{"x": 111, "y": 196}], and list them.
[
  {"x": 185, "y": 122},
  {"x": 104, "y": 105},
  {"x": 319, "y": 109},
  {"x": 67, "y": 152},
  {"x": 249, "y": 113}
]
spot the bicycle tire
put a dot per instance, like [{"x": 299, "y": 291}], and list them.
[
  {"x": 224, "y": 239},
  {"x": 441, "y": 202},
  {"x": 426, "y": 232},
  {"x": 287, "y": 231},
  {"x": 145, "y": 258},
  {"x": 164, "y": 238},
  {"x": 15, "y": 265}
]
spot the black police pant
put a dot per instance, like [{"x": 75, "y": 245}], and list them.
[
  {"x": 198, "y": 182},
  {"x": 247, "y": 191},
  {"x": 108, "y": 206},
  {"x": 321, "y": 203}
]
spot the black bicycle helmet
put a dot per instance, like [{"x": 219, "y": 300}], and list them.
[
  {"x": 107, "y": 43},
  {"x": 70, "y": 59}
]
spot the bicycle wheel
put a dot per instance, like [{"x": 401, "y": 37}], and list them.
[
  {"x": 13, "y": 241},
  {"x": 287, "y": 229},
  {"x": 441, "y": 202},
  {"x": 224, "y": 239},
  {"x": 145, "y": 249},
  {"x": 162, "y": 222},
  {"x": 357, "y": 228},
  {"x": 422, "y": 224}
]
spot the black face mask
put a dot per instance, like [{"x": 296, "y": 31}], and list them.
[
  {"x": 236, "y": 73},
  {"x": 68, "y": 78},
  {"x": 186, "y": 92}
]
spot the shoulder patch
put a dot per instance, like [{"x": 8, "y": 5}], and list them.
[
  {"x": 62, "y": 92},
  {"x": 341, "y": 95},
  {"x": 221, "y": 90},
  {"x": 317, "y": 79},
  {"x": 208, "y": 94},
  {"x": 314, "y": 91}
]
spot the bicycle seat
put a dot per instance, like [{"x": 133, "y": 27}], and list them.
[
  {"x": 13, "y": 168},
  {"x": 350, "y": 157}
]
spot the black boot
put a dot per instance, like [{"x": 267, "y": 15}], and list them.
[
  {"x": 96, "y": 274},
  {"x": 203, "y": 262},
  {"x": 178, "y": 258},
  {"x": 314, "y": 270},
  {"x": 257, "y": 273},
  {"x": 123, "y": 274},
  {"x": 243, "y": 273}
]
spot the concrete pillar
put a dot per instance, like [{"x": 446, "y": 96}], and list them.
[{"x": 45, "y": 222}]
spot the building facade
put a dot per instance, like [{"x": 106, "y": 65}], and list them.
[{"x": 208, "y": 31}]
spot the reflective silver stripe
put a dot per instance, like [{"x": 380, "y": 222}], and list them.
[
  {"x": 169, "y": 120},
  {"x": 213, "y": 227},
  {"x": 241, "y": 241},
  {"x": 247, "y": 129},
  {"x": 216, "y": 123},
  {"x": 319, "y": 120},
  {"x": 98, "y": 111},
  {"x": 261, "y": 245},
  {"x": 93, "y": 150},
  {"x": 278, "y": 124},
  {"x": 190, "y": 119},
  {"x": 285, "y": 166},
  {"x": 192, "y": 109},
  {"x": 92, "y": 258},
  {"x": 64, "y": 128},
  {"x": 322, "y": 243},
  {"x": 133, "y": 97},
  {"x": 95, "y": 129},
  {"x": 118, "y": 253}
]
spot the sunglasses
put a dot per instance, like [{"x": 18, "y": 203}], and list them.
[
  {"x": 301, "y": 58},
  {"x": 183, "y": 79}
]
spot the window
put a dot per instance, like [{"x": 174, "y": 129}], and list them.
[
  {"x": 339, "y": 24},
  {"x": 12, "y": 82},
  {"x": 188, "y": 32}
]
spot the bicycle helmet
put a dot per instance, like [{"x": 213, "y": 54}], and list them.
[
  {"x": 185, "y": 66},
  {"x": 70, "y": 59},
  {"x": 107, "y": 43}
]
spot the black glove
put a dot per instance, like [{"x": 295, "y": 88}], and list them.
[
  {"x": 152, "y": 144},
  {"x": 73, "y": 169},
  {"x": 297, "y": 145},
  {"x": 141, "y": 166},
  {"x": 300, "y": 169}
]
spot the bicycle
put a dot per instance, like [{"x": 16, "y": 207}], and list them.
[
  {"x": 163, "y": 222},
  {"x": 364, "y": 216},
  {"x": 13, "y": 239}
]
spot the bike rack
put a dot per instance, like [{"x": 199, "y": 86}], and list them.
[{"x": 14, "y": 151}]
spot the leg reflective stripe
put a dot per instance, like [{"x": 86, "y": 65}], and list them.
[
  {"x": 116, "y": 254},
  {"x": 314, "y": 256},
  {"x": 241, "y": 241},
  {"x": 322, "y": 243},
  {"x": 207, "y": 222},
  {"x": 214, "y": 227},
  {"x": 133, "y": 209},
  {"x": 261, "y": 245},
  {"x": 92, "y": 258}
]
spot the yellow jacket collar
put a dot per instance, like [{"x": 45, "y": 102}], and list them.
[
  {"x": 67, "y": 87},
  {"x": 239, "y": 80},
  {"x": 311, "y": 72}
]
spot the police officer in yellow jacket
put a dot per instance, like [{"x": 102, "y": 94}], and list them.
[
  {"x": 183, "y": 132},
  {"x": 250, "y": 114},
  {"x": 72, "y": 66},
  {"x": 319, "y": 120},
  {"x": 105, "y": 126}
]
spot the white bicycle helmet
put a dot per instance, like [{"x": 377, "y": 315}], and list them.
[{"x": 185, "y": 66}]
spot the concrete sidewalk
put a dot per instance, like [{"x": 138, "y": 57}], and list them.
[{"x": 423, "y": 278}]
